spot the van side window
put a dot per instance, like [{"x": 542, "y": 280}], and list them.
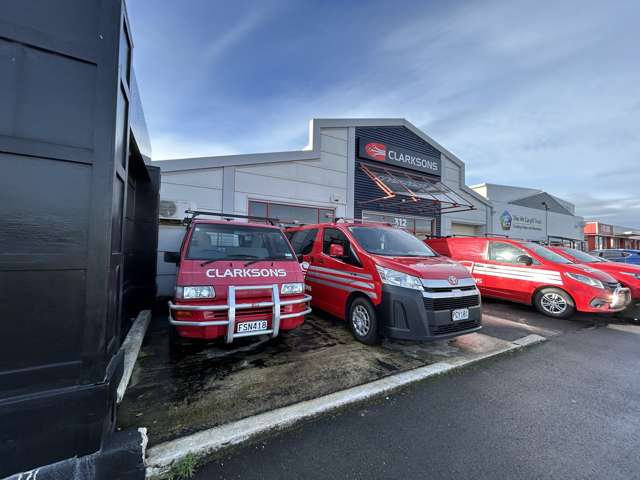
[
  {"x": 302, "y": 241},
  {"x": 504, "y": 252},
  {"x": 333, "y": 235}
]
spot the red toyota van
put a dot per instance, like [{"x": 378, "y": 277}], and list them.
[
  {"x": 235, "y": 279},
  {"x": 385, "y": 282},
  {"x": 530, "y": 273}
]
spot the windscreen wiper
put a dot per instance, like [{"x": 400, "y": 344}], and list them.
[
  {"x": 236, "y": 257},
  {"x": 266, "y": 259}
]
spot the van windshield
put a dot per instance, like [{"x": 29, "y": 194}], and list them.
[
  {"x": 391, "y": 242},
  {"x": 547, "y": 254},
  {"x": 211, "y": 242}
]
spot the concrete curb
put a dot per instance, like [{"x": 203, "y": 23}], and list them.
[
  {"x": 161, "y": 457},
  {"x": 131, "y": 347}
]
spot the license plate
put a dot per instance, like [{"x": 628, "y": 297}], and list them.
[
  {"x": 252, "y": 326},
  {"x": 460, "y": 314}
]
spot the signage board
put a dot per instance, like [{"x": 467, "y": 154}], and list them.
[{"x": 398, "y": 157}]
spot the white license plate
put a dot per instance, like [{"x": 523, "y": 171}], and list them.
[
  {"x": 460, "y": 314},
  {"x": 252, "y": 326}
]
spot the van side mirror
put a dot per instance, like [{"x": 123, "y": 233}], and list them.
[
  {"x": 336, "y": 250},
  {"x": 172, "y": 257},
  {"x": 526, "y": 259}
]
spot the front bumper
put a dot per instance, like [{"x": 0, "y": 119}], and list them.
[
  {"x": 232, "y": 307},
  {"x": 616, "y": 301},
  {"x": 405, "y": 315}
]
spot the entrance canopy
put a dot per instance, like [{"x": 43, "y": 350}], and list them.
[{"x": 400, "y": 186}]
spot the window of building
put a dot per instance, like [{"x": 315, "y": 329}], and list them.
[
  {"x": 291, "y": 214},
  {"x": 504, "y": 252}
]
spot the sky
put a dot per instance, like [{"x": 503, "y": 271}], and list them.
[{"x": 539, "y": 94}]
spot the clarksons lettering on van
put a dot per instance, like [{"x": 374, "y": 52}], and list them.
[{"x": 246, "y": 272}]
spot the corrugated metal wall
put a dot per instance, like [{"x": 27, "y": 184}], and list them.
[{"x": 366, "y": 191}]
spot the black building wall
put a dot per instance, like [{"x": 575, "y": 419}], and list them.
[
  {"x": 366, "y": 191},
  {"x": 65, "y": 167}
]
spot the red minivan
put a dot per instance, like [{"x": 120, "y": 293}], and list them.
[
  {"x": 235, "y": 279},
  {"x": 627, "y": 274},
  {"x": 385, "y": 282},
  {"x": 530, "y": 273}
]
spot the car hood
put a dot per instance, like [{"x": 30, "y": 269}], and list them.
[
  {"x": 436, "y": 268},
  {"x": 589, "y": 270}
]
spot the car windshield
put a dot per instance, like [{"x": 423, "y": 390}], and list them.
[
  {"x": 213, "y": 242},
  {"x": 583, "y": 256},
  {"x": 391, "y": 242},
  {"x": 547, "y": 254}
]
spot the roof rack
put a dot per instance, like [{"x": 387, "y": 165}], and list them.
[
  {"x": 226, "y": 216},
  {"x": 359, "y": 220}
]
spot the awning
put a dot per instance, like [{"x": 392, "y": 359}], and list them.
[{"x": 400, "y": 186}]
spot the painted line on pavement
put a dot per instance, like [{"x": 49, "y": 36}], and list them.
[
  {"x": 161, "y": 457},
  {"x": 524, "y": 326},
  {"x": 131, "y": 347},
  {"x": 625, "y": 328}
]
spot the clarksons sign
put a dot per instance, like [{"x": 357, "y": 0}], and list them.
[{"x": 400, "y": 157}]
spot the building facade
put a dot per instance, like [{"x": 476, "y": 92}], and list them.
[
  {"x": 603, "y": 235},
  {"x": 532, "y": 214},
  {"x": 369, "y": 169}
]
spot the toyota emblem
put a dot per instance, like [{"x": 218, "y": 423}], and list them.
[{"x": 453, "y": 280}]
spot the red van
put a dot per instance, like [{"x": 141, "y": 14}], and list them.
[
  {"x": 628, "y": 275},
  {"x": 235, "y": 279},
  {"x": 385, "y": 281},
  {"x": 530, "y": 273}
]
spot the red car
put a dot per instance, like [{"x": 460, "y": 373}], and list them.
[
  {"x": 530, "y": 273},
  {"x": 385, "y": 282},
  {"x": 628, "y": 275},
  {"x": 235, "y": 279}
]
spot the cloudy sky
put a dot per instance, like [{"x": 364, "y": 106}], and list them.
[{"x": 542, "y": 94}]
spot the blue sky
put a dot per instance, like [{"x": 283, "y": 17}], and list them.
[{"x": 542, "y": 94}]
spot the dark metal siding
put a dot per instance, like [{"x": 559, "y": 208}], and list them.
[
  {"x": 399, "y": 136},
  {"x": 365, "y": 190},
  {"x": 64, "y": 197}
]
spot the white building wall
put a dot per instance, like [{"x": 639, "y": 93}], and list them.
[{"x": 453, "y": 177}]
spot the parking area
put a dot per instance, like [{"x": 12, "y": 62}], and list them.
[{"x": 178, "y": 390}]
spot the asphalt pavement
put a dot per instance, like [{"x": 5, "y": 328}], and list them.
[{"x": 566, "y": 409}]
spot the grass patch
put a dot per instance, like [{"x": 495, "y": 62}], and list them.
[{"x": 184, "y": 469}]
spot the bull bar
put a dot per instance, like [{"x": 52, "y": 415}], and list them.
[{"x": 233, "y": 307}]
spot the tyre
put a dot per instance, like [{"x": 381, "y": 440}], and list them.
[
  {"x": 363, "y": 321},
  {"x": 554, "y": 302}
]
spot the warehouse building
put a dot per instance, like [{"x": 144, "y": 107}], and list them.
[
  {"x": 603, "y": 235},
  {"x": 532, "y": 214},
  {"x": 369, "y": 169}
]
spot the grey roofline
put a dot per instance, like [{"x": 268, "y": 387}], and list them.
[{"x": 314, "y": 152}]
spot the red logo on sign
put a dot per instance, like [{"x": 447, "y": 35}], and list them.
[{"x": 377, "y": 151}]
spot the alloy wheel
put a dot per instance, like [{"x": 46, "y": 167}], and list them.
[
  {"x": 361, "y": 320},
  {"x": 553, "y": 303}
]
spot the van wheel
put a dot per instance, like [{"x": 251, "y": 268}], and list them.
[
  {"x": 363, "y": 321},
  {"x": 554, "y": 302}
]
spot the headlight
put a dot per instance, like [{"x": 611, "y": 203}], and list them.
[
  {"x": 194, "y": 293},
  {"x": 399, "y": 279},
  {"x": 291, "y": 288},
  {"x": 585, "y": 279},
  {"x": 631, "y": 274}
]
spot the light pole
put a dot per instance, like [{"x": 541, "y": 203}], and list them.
[{"x": 546, "y": 220}]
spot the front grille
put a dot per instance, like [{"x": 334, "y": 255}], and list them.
[
  {"x": 449, "y": 289},
  {"x": 451, "y": 303},
  {"x": 454, "y": 327},
  {"x": 612, "y": 285},
  {"x": 242, "y": 313}
]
